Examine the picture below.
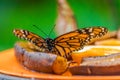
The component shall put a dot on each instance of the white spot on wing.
(21, 31)
(91, 29)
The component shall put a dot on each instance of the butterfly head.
(50, 43)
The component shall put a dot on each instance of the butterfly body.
(65, 44)
(49, 44)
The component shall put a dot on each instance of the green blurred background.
(23, 14)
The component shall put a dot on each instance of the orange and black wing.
(75, 40)
(33, 38)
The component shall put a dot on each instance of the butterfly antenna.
(40, 30)
(51, 30)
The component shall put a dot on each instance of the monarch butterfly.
(65, 44)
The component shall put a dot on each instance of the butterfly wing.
(33, 38)
(75, 40)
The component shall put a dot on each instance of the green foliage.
(23, 14)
